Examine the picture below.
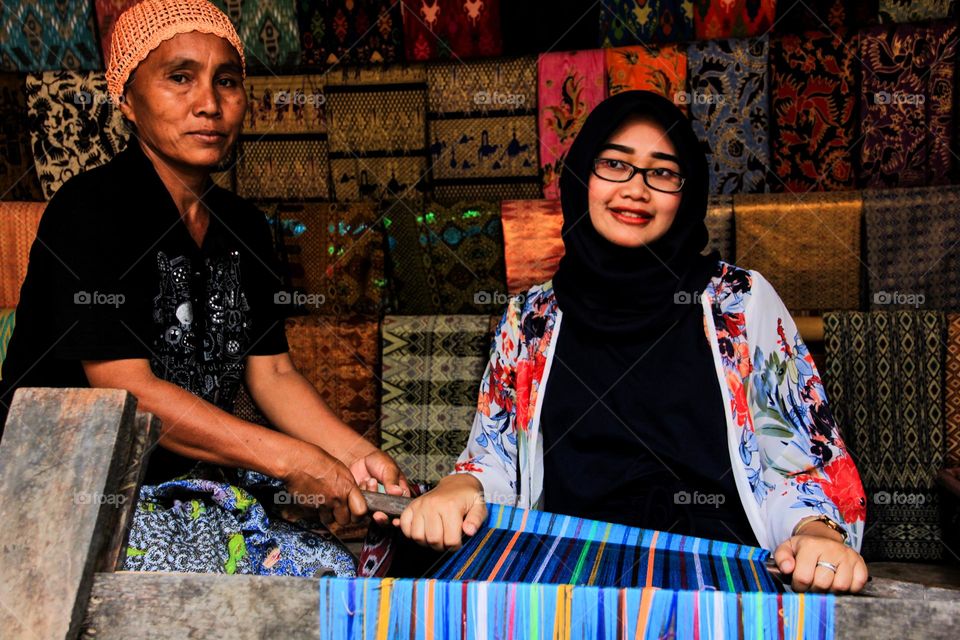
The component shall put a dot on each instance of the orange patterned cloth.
(18, 228)
(662, 70)
(532, 242)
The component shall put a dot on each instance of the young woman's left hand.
(799, 556)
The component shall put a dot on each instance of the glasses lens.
(612, 169)
(664, 180)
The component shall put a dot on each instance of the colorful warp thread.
(72, 127)
(268, 29)
(341, 358)
(18, 178)
(340, 32)
(732, 18)
(18, 229)
(885, 379)
(431, 369)
(570, 85)
(907, 105)
(952, 392)
(814, 84)
(362, 608)
(729, 106)
(681, 587)
(48, 34)
(808, 246)
(662, 70)
(457, 29)
(924, 270)
(625, 22)
(482, 127)
(532, 241)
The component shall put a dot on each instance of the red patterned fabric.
(732, 18)
(451, 29)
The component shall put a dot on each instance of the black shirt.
(114, 274)
(652, 452)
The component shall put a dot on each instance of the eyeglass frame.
(642, 171)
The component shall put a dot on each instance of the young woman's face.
(631, 214)
(187, 99)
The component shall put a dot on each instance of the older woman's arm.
(197, 429)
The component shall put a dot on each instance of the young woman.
(651, 385)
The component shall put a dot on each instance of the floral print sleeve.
(491, 453)
(807, 470)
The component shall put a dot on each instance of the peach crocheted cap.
(141, 28)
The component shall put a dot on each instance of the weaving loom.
(536, 574)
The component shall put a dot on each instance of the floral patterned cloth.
(662, 70)
(729, 107)
(792, 460)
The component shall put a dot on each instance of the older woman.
(651, 385)
(147, 277)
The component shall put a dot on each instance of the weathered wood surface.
(61, 464)
(179, 605)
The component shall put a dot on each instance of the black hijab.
(625, 289)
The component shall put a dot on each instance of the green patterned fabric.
(885, 381)
(7, 322)
(268, 29)
(432, 366)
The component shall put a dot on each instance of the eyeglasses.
(658, 178)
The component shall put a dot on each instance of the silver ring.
(827, 565)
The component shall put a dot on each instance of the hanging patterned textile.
(482, 127)
(923, 272)
(817, 15)
(18, 229)
(457, 29)
(340, 357)
(729, 101)
(807, 246)
(915, 10)
(18, 178)
(48, 34)
(8, 320)
(570, 85)
(377, 138)
(662, 70)
(732, 18)
(445, 260)
(73, 126)
(574, 578)
(885, 380)
(952, 392)
(720, 227)
(569, 25)
(627, 22)
(532, 243)
(907, 105)
(107, 13)
(268, 30)
(814, 82)
(432, 367)
(340, 32)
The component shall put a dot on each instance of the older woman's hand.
(378, 467)
(800, 554)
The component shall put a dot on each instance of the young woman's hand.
(800, 554)
(438, 519)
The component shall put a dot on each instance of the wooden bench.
(71, 462)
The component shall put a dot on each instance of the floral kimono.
(785, 449)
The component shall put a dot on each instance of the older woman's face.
(631, 214)
(187, 99)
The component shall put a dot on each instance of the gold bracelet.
(825, 520)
